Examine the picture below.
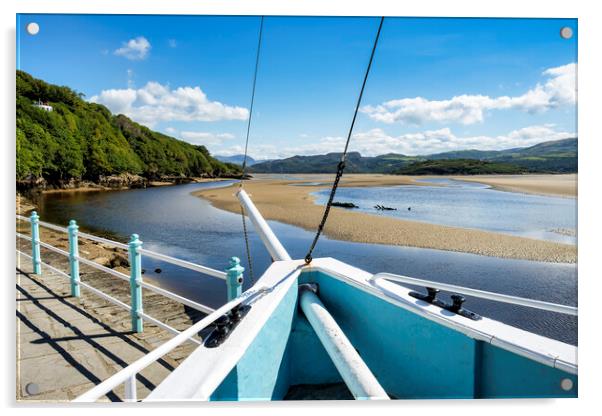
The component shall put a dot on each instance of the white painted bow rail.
(128, 374)
(271, 242)
(497, 297)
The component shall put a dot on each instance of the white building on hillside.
(43, 106)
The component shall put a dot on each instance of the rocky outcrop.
(124, 180)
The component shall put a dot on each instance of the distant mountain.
(237, 159)
(356, 163)
(460, 167)
(553, 156)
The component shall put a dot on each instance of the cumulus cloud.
(200, 137)
(134, 49)
(558, 89)
(156, 102)
(377, 142)
(205, 138)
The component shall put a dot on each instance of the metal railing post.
(130, 389)
(234, 278)
(35, 243)
(136, 282)
(73, 255)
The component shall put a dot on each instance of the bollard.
(35, 243)
(73, 255)
(234, 278)
(136, 282)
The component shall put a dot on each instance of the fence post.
(234, 278)
(136, 282)
(35, 243)
(73, 255)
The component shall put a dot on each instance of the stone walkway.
(66, 345)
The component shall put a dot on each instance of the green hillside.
(557, 156)
(82, 140)
(459, 167)
(355, 163)
(553, 156)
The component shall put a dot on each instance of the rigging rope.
(341, 164)
(244, 162)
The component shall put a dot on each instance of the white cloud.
(559, 89)
(200, 137)
(134, 49)
(376, 142)
(204, 138)
(156, 102)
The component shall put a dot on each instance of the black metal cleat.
(430, 297)
(456, 307)
(225, 324)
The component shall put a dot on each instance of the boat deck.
(66, 345)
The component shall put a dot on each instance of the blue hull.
(415, 350)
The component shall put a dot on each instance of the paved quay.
(67, 345)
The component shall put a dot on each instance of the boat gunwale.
(550, 352)
(206, 373)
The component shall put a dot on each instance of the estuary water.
(470, 205)
(172, 221)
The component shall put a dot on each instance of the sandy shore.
(294, 205)
(554, 185)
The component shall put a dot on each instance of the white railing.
(87, 286)
(183, 263)
(113, 300)
(498, 297)
(129, 373)
(233, 278)
(158, 256)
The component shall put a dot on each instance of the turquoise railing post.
(136, 282)
(35, 243)
(234, 278)
(73, 258)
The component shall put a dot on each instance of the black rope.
(341, 165)
(244, 229)
(244, 162)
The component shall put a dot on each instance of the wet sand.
(553, 185)
(277, 200)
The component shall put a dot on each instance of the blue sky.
(435, 85)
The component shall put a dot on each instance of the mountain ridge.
(237, 159)
(555, 156)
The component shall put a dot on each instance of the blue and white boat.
(321, 328)
(330, 330)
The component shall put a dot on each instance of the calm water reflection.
(171, 221)
(470, 205)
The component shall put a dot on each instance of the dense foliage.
(553, 157)
(459, 167)
(83, 140)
